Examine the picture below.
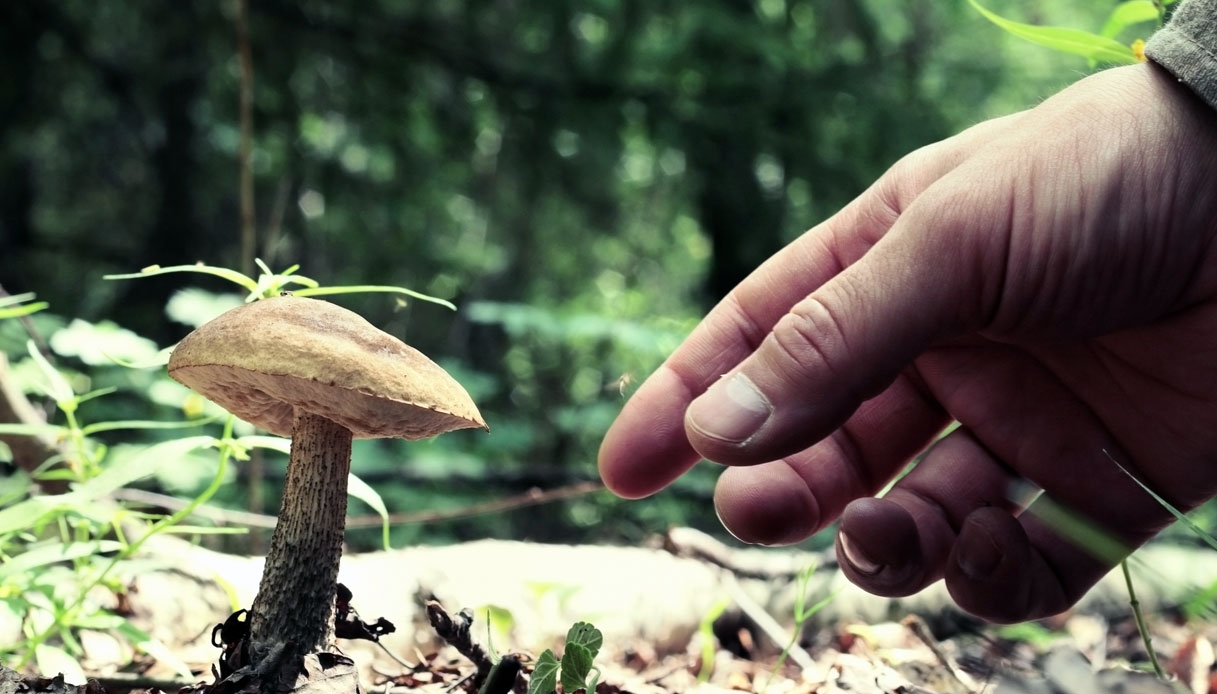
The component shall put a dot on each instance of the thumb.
(848, 340)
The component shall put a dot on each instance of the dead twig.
(456, 633)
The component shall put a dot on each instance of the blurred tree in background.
(583, 179)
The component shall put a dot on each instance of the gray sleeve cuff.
(1187, 47)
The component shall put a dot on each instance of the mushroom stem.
(295, 602)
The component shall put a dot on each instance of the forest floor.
(1077, 654)
(661, 635)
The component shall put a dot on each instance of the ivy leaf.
(576, 666)
(586, 635)
(544, 678)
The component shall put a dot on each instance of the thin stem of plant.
(1140, 619)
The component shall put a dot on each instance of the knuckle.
(808, 338)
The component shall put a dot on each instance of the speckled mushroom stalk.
(321, 374)
(295, 602)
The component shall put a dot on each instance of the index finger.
(646, 447)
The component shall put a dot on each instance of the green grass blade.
(1179, 515)
(1075, 41)
(1082, 532)
(363, 491)
(360, 289)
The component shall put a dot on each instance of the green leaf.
(53, 553)
(362, 491)
(33, 430)
(204, 530)
(1075, 41)
(321, 291)
(153, 270)
(52, 660)
(355, 486)
(25, 310)
(544, 678)
(102, 344)
(14, 299)
(585, 635)
(56, 385)
(154, 648)
(1127, 14)
(274, 443)
(141, 465)
(576, 666)
(91, 429)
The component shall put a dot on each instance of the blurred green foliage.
(583, 179)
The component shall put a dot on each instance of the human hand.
(1047, 279)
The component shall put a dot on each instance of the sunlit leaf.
(14, 299)
(274, 443)
(23, 310)
(91, 429)
(1075, 41)
(193, 306)
(32, 430)
(101, 343)
(1127, 14)
(54, 553)
(52, 660)
(141, 465)
(153, 270)
(55, 385)
(204, 530)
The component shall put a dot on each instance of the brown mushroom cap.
(262, 360)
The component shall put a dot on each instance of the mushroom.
(322, 375)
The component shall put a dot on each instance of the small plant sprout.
(575, 671)
(802, 613)
(322, 375)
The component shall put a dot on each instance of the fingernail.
(733, 409)
(979, 555)
(857, 559)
